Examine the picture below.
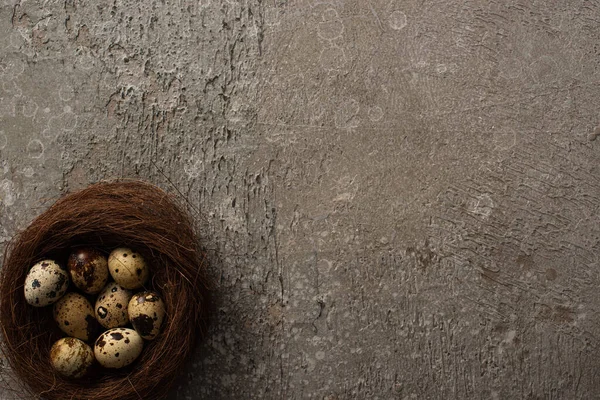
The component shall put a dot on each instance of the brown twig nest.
(107, 215)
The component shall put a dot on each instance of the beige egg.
(71, 357)
(111, 306)
(128, 268)
(146, 313)
(45, 283)
(75, 316)
(89, 269)
(118, 347)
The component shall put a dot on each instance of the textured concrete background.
(403, 195)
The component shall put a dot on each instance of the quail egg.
(75, 316)
(146, 313)
(45, 283)
(128, 268)
(89, 269)
(118, 347)
(111, 306)
(71, 357)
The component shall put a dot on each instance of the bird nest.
(107, 215)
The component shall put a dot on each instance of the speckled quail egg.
(146, 313)
(45, 283)
(111, 306)
(118, 347)
(128, 268)
(75, 316)
(89, 269)
(71, 357)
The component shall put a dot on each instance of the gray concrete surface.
(403, 195)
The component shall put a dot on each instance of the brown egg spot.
(61, 281)
(116, 335)
(119, 305)
(116, 354)
(143, 324)
(138, 272)
(114, 289)
(67, 323)
(124, 254)
(102, 312)
(101, 342)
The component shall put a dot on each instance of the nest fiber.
(107, 215)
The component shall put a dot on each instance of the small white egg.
(89, 269)
(45, 283)
(71, 357)
(75, 316)
(128, 268)
(111, 306)
(118, 347)
(146, 313)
